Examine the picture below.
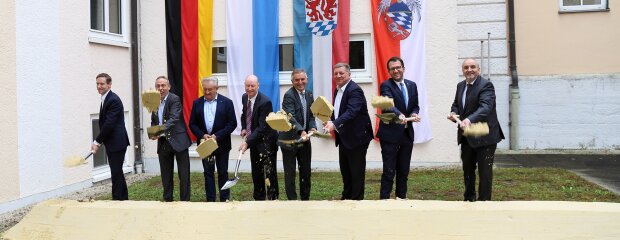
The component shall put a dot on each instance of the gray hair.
(341, 64)
(298, 70)
(210, 79)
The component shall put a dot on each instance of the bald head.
(251, 85)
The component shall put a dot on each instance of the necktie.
(465, 93)
(404, 92)
(160, 112)
(302, 96)
(248, 118)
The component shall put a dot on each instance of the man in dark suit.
(396, 139)
(474, 102)
(173, 142)
(353, 132)
(112, 134)
(213, 116)
(297, 101)
(260, 139)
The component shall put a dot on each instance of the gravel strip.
(9, 219)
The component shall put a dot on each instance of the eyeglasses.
(395, 68)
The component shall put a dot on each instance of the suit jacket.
(175, 131)
(353, 128)
(112, 132)
(479, 107)
(291, 103)
(224, 123)
(392, 132)
(263, 137)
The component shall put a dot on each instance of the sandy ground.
(9, 219)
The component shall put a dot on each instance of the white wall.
(569, 112)
(477, 18)
(54, 97)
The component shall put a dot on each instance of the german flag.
(189, 40)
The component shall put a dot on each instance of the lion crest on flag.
(398, 16)
(321, 16)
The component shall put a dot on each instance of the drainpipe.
(514, 85)
(135, 88)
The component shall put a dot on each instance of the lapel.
(218, 109)
(106, 102)
(399, 94)
(344, 98)
(166, 108)
(255, 104)
(459, 92)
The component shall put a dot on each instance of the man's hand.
(94, 148)
(452, 116)
(416, 117)
(329, 126)
(402, 119)
(465, 123)
(243, 147)
(243, 132)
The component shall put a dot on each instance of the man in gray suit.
(173, 142)
(297, 101)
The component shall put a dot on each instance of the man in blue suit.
(213, 116)
(474, 102)
(173, 142)
(112, 134)
(396, 139)
(353, 131)
(260, 139)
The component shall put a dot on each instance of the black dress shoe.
(469, 200)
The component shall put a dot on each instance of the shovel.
(77, 161)
(475, 129)
(232, 182)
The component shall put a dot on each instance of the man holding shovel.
(112, 134)
(297, 101)
(260, 139)
(213, 117)
(397, 138)
(353, 131)
(173, 142)
(474, 102)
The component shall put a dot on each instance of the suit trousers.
(119, 186)
(353, 170)
(221, 162)
(291, 157)
(166, 166)
(263, 168)
(482, 157)
(396, 161)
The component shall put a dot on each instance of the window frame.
(603, 6)
(359, 75)
(107, 37)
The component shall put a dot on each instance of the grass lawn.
(509, 184)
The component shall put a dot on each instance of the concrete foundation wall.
(386, 219)
(569, 112)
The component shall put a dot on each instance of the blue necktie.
(404, 92)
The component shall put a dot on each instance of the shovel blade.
(230, 183)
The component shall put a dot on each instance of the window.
(108, 22)
(582, 5)
(219, 60)
(358, 59)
